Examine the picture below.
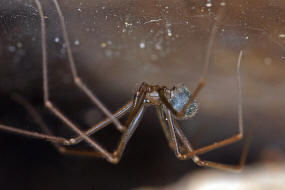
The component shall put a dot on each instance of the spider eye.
(179, 97)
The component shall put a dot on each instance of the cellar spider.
(171, 104)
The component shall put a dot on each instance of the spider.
(171, 104)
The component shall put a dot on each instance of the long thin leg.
(219, 144)
(239, 135)
(32, 134)
(169, 131)
(232, 139)
(38, 119)
(202, 80)
(176, 129)
(72, 141)
(121, 112)
(132, 122)
(77, 80)
(31, 110)
(165, 127)
(128, 134)
(171, 124)
(56, 141)
(50, 105)
(168, 126)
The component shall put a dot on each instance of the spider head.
(179, 97)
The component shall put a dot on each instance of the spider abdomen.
(179, 97)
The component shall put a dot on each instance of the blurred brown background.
(116, 46)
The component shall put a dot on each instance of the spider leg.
(202, 80)
(72, 141)
(193, 153)
(78, 82)
(132, 121)
(32, 134)
(229, 140)
(168, 131)
(128, 134)
(70, 124)
(165, 127)
(60, 140)
(239, 135)
(166, 118)
(218, 144)
(57, 142)
(76, 78)
(121, 112)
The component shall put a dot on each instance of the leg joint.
(77, 80)
(113, 160)
(200, 162)
(70, 142)
(181, 156)
(48, 104)
(239, 136)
